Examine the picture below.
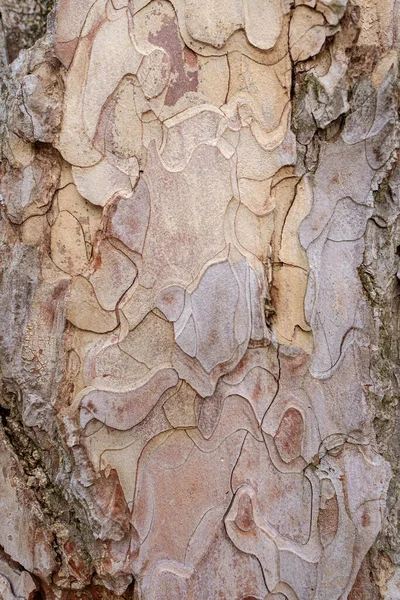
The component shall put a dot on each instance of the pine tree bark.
(200, 216)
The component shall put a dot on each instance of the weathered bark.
(199, 338)
(23, 22)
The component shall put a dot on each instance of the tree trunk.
(199, 338)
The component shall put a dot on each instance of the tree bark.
(200, 216)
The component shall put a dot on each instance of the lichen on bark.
(23, 22)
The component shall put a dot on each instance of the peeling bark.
(200, 216)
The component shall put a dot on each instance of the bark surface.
(200, 241)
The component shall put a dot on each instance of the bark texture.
(23, 22)
(200, 216)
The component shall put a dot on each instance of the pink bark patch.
(184, 74)
(289, 436)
